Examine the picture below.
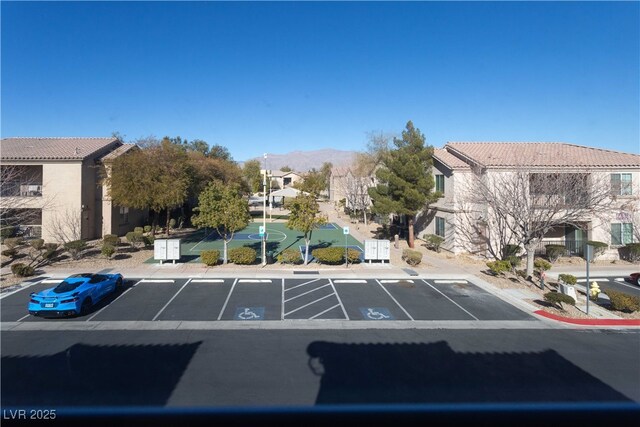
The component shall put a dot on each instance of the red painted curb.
(592, 322)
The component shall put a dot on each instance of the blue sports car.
(75, 295)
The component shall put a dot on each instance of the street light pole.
(264, 212)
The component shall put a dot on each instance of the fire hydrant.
(594, 291)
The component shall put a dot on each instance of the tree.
(312, 182)
(405, 182)
(286, 169)
(251, 172)
(156, 178)
(523, 205)
(304, 216)
(222, 207)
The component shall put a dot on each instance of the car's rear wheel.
(86, 306)
(638, 281)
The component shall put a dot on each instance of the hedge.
(623, 302)
(13, 242)
(330, 255)
(210, 257)
(75, 248)
(412, 257)
(353, 255)
(111, 239)
(243, 255)
(558, 298)
(598, 247)
(37, 244)
(138, 230)
(290, 256)
(632, 252)
(541, 264)
(433, 241)
(10, 252)
(147, 228)
(499, 267)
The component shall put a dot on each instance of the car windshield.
(67, 286)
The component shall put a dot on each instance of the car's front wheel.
(119, 283)
(85, 308)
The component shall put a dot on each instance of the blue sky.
(276, 77)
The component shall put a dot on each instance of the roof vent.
(77, 151)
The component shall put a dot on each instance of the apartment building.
(461, 168)
(51, 188)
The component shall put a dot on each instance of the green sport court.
(279, 238)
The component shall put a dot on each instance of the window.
(124, 216)
(440, 183)
(440, 226)
(621, 233)
(621, 184)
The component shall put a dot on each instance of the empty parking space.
(140, 302)
(253, 299)
(311, 299)
(423, 302)
(367, 300)
(200, 299)
(480, 303)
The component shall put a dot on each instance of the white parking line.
(254, 281)
(158, 281)
(395, 300)
(591, 279)
(349, 281)
(302, 284)
(227, 300)
(461, 282)
(307, 305)
(626, 284)
(23, 288)
(52, 281)
(119, 296)
(22, 318)
(323, 312)
(459, 306)
(346, 316)
(207, 281)
(282, 299)
(305, 293)
(169, 302)
(396, 281)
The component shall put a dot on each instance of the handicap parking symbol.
(376, 313)
(249, 313)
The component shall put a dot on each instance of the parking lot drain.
(410, 272)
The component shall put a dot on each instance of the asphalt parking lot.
(616, 283)
(283, 299)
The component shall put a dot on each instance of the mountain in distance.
(303, 161)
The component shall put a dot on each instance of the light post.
(264, 212)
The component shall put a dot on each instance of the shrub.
(433, 241)
(290, 256)
(75, 248)
(558, 298)
(623, 302)
(243, 255)
(134, 238)
(7, 231)
(147, 228)
(598, 247)
(541, 264)
(50, 250)
(330, 255)
(172, 223)
(148, 240)
(412, 257)
(353, 255)
(210, 257)
(568, 279)
(510, 251)
(22, 270)
(10, 252)
(37, 244)
(514, 261)
(138, 230)
(108, 250)
(631, 252)
(13, 242)
(111, 239)
(555, 251)
(499, 267)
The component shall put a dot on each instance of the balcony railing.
(21, 189)
(574, 247)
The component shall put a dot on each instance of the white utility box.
(167, 249)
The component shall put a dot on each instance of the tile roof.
(448, 159)
(118, 152)
(53, 148)
(540, 154)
